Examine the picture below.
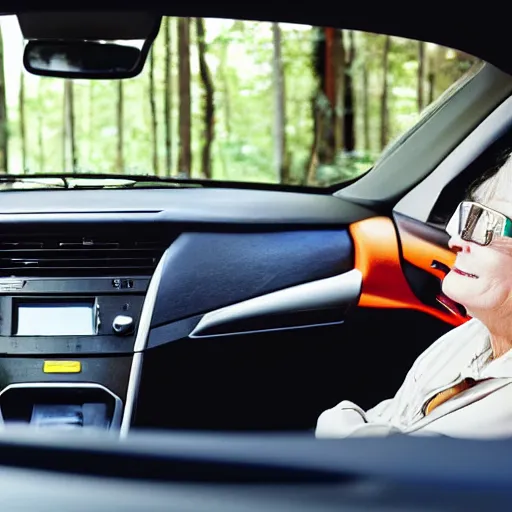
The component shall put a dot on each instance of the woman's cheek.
(500, 289)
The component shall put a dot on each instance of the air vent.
(68, 256)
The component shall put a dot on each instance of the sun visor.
(92, 26)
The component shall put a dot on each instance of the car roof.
(480, 32)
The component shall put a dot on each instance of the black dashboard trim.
(172, 331)
(183, 206)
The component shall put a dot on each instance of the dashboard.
(188, 205)
(96, 285)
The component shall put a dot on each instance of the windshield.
(223, 99)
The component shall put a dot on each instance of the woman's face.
(481, 279)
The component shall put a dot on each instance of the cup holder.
(61, 405)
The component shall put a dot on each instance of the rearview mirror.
(83, 59)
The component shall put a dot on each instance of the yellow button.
(62, 367)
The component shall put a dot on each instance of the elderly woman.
(461, 386)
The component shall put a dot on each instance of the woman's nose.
(456, 244)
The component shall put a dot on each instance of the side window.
(369, 90)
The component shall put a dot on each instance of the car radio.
(70, 315)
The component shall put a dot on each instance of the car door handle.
(440, 266)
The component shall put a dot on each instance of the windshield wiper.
(90, 181)
(13, 182)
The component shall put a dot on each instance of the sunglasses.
(476, 223)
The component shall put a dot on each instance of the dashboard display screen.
(56, 318)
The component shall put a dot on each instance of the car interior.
(231, 308)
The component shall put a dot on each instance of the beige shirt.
(483, 411)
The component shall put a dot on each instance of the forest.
(227, 100)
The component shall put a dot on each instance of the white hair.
(497, 187)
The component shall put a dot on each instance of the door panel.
(426, 260)
(377, 256)
(422, 244)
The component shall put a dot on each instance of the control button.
(123, 324)
(122, 284)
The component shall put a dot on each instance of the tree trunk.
(65, 129)
(185, 150)
(152, 102)
(421, 75)
(279, 109)
(120, 128)
(40, 127)
(431, 87)
(168, 97)
(91, 132)
(4, 129)
(349, 114)
(23, 135)
(339, 72)
(329, 70)
(366, 109)
(72, 133)
(324, 98)
(384, 110)
(209, 106)
(432, 73)
(69, 126)
(223, 63)
(310, 175)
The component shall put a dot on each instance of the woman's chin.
(455, 290)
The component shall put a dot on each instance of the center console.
(67, 347)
